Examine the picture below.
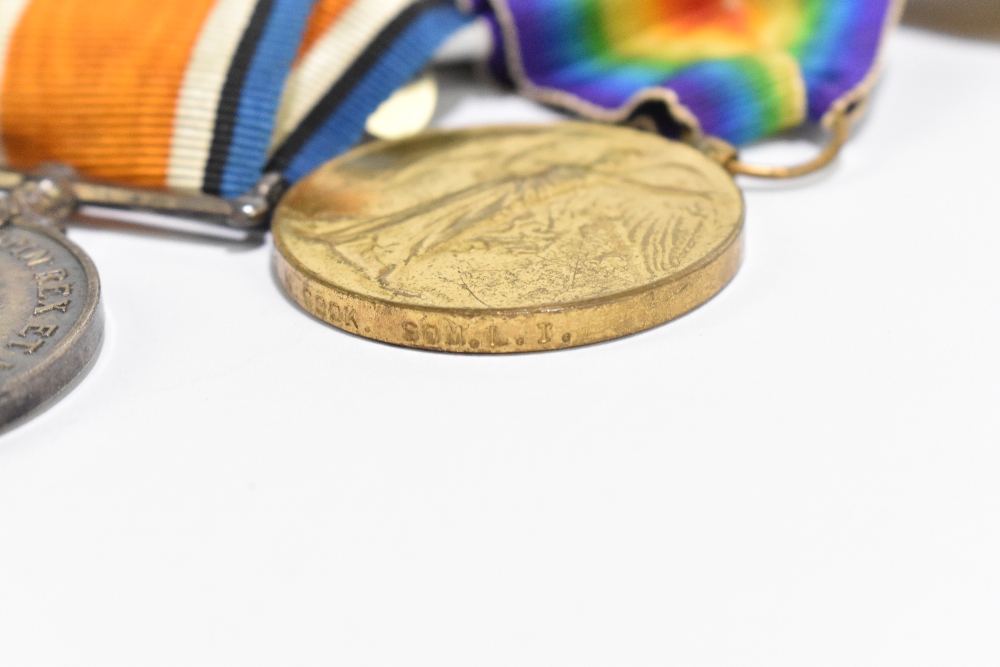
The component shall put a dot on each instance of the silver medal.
(50, 316)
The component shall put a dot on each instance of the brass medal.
(517, 239)
(50, 317)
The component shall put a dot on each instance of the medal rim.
(284, 258)
(46, 381)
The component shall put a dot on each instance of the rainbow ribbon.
(737, 69)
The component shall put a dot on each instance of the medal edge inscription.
(511, 331)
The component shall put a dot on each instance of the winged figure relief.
(540, 231)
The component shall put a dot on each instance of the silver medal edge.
(73, 353)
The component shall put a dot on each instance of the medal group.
(249, 113)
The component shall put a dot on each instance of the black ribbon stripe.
(229, 100)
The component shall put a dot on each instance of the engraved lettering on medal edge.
(446, 333)
(342, 316)
(50, 285)
(443, 334)
(546, 330)
(496, 339)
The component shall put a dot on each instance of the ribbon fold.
(737, 69)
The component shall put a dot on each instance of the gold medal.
(510, 239)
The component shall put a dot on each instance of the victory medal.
(510, 239)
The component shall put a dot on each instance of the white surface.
(803, 472)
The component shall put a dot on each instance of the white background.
(805, 471)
